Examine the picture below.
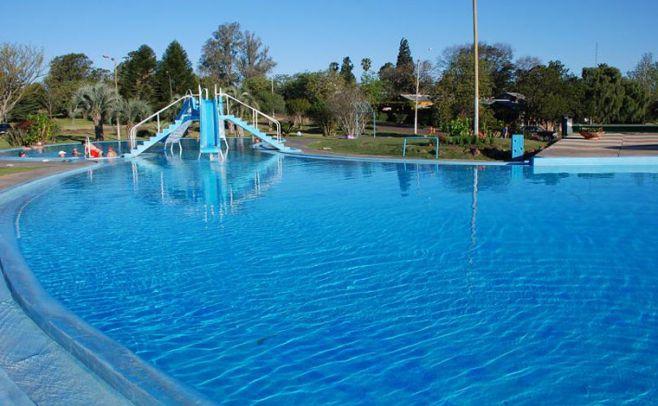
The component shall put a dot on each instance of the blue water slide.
(188, 113)
(209, 122)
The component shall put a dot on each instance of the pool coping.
(419, 161)
(595, 161)
(132, 377)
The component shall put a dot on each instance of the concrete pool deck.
(34, 369)
(47, 354)
(611, 149)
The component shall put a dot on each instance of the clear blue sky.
(308, 35)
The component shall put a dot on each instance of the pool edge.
(120, 368)
(392, 160)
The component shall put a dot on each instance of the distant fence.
(621, 128)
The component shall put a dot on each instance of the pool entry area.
(213, 114)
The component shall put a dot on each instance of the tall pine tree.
(174, 74)
(137, 75)
(346, 71)
(404, 81)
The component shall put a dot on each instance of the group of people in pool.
(90, 150)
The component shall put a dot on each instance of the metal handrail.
(133, 129)
(254, 114)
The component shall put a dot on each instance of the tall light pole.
(417, 93)
(171, 89)
(116, 89)
(476, 115)
(417, 90)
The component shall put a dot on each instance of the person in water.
(22, 154)
(111, 153)
(93, 151)
(75, 152)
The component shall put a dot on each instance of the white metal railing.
(156, 115)
(255, 113)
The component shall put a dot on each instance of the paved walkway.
(34, 369)
(610, 145)
(37, 170)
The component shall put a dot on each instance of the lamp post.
(116, 89)
(417, 93)
(476, 114)
(417, 90)
(171, 90)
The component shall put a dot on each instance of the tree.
(298, 108)
(386, 86)
(499, 61)
(495, 63)
(453, 93)
(174, 74)
(404, 80)
(30, 102)
(220, 53)
(96, 101)
(366, 64)
(72, 109)
(231, 56)
(253, 58)
(549, 91)
(346, 71)
(260, 89)
(67, 73)
(137, 75)
(74, 67)
(20, 66)
(636, 101)
(334, 67)
(525, 63)
(341, 104)
(604, 93)
(131, 111)
(646, 74)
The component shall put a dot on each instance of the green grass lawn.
(16, 169)
(392, 146)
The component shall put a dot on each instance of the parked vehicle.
(4, 127)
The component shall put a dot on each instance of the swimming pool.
(51, 152)
(283, 279)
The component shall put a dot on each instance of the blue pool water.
(52, 151)
(288, 280)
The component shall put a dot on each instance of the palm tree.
(72, 109)
(245, 97)
(97, 101)
(366, 64)
(131, 111)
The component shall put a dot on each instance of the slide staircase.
(177, 129)
(212, 116)
(271, 141)
(187, 114)
(274, 141)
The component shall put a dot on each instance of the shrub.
(41, 128)
(459, 127)
(17, 137)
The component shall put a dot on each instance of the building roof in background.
(421, 97)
